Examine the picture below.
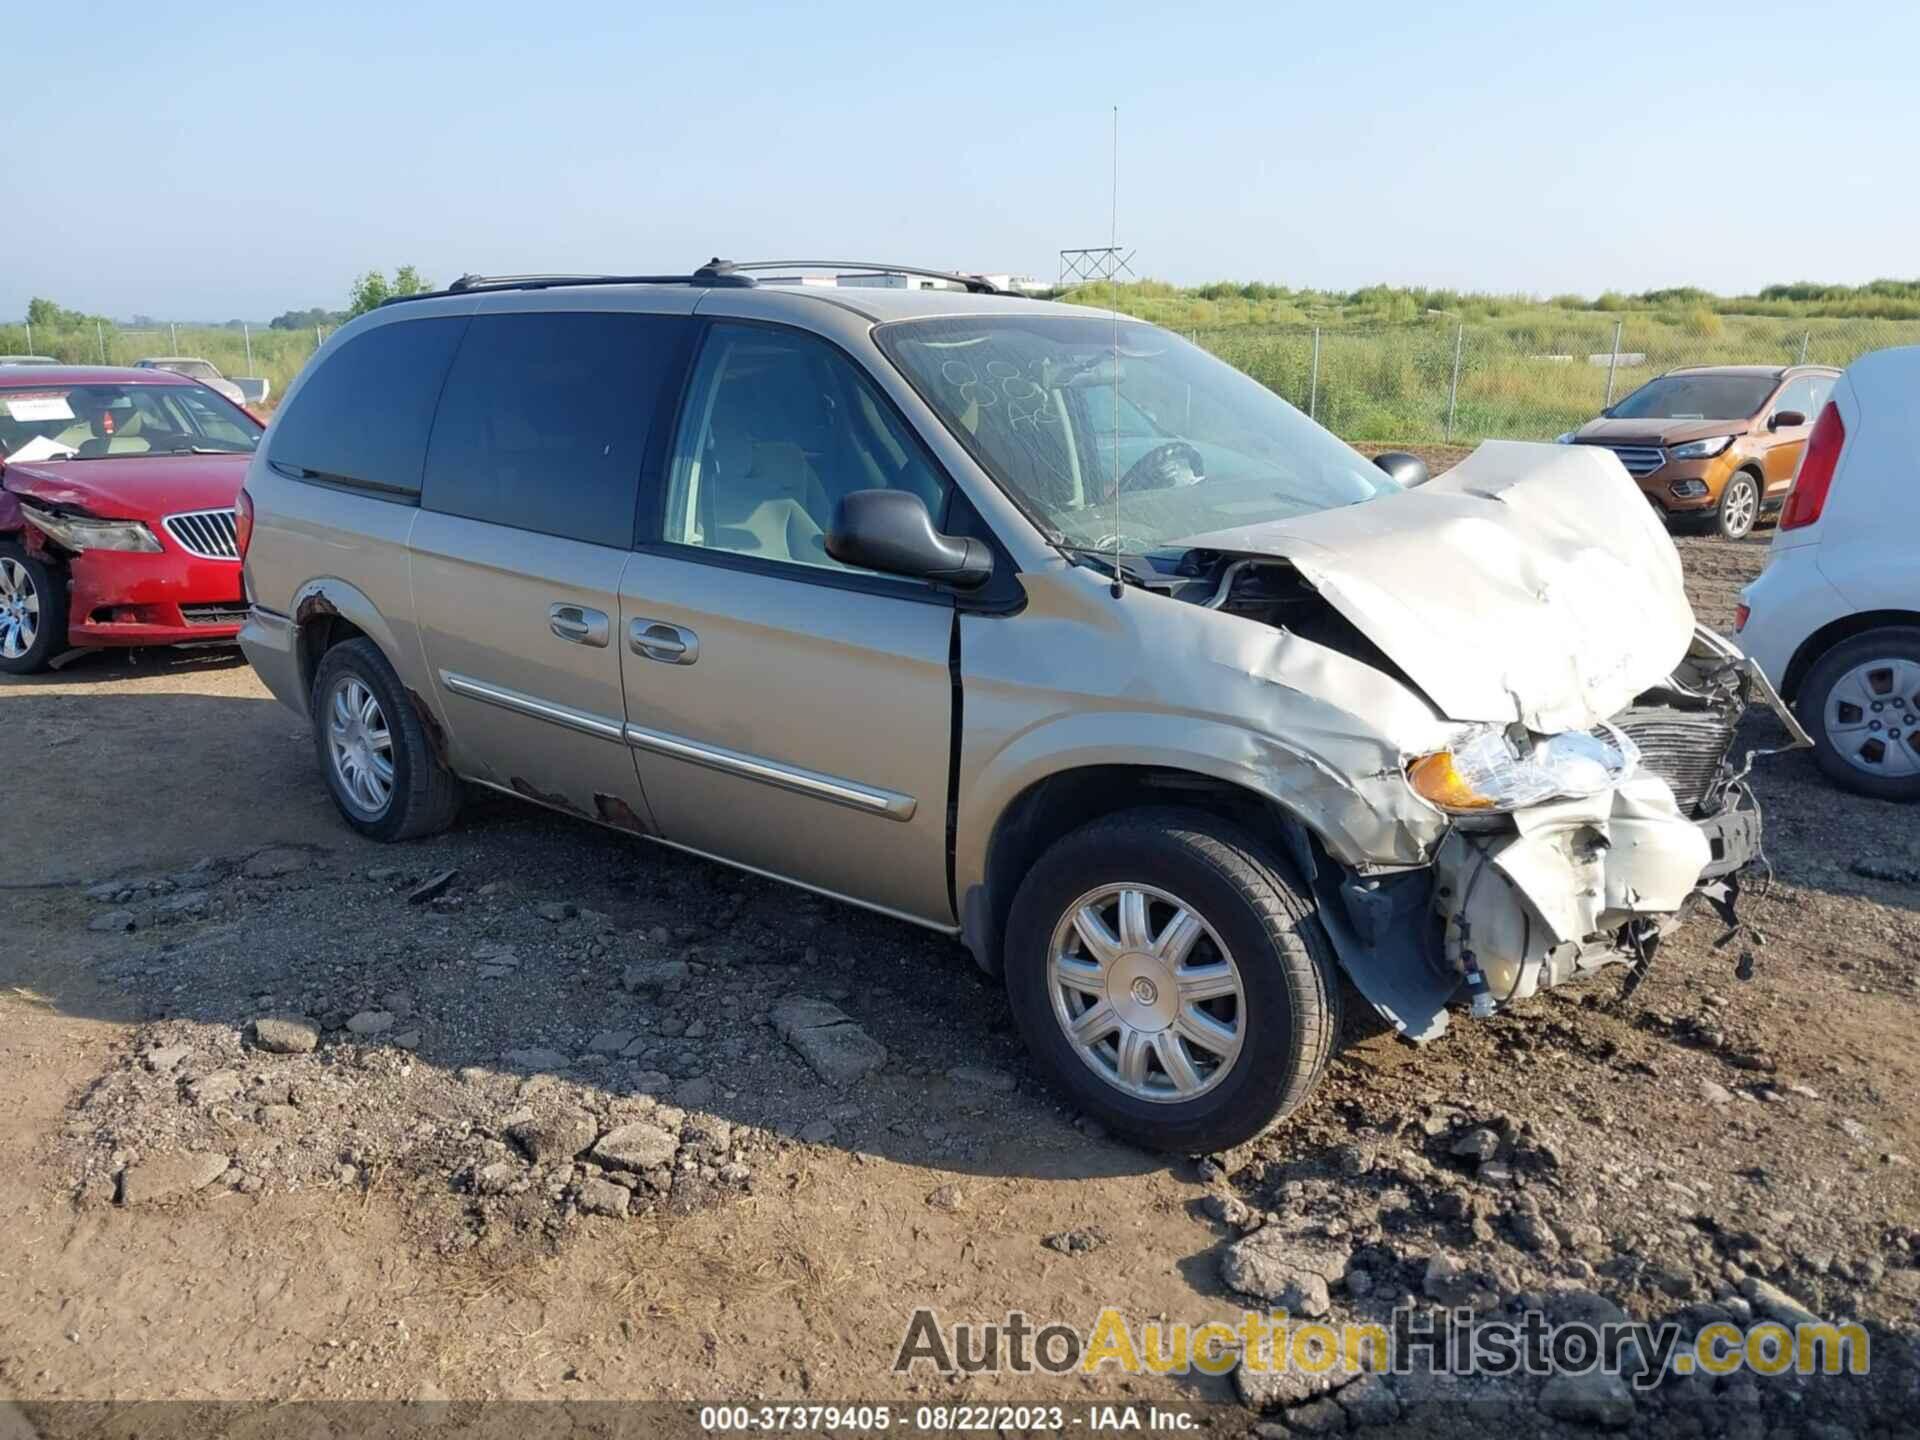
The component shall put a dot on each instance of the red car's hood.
(132, 487)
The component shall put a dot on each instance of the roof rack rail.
(715, 273)
(975, 284)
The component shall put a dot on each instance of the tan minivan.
(1029, 624)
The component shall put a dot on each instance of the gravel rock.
(554, 1137)
(947, 1198)
(283, 1035)
(1774, 1303)
(1452, 1283)
(823, 1035)
(1591, 1398)
(163, 1058)
(1715, 1094)
(371, 1022)
(1290, 1272)
(162, 1177)
(1369, 1401)
(663, 975)
(432, 887)
(983, 1077)
(116, 922)
(1077, 1242)
(696, 1092)
(214, 1088)
(1479, 1143)
(639, 1147)
(554, 911)
(497, 1178)
(603, 1197)
(817, 1132)
(610, 1042)
(537, 1059)
(272, 863)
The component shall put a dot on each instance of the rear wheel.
(1173, 978)
(33, 611)
(1861, 705)
(1739, 506)
(382, 771)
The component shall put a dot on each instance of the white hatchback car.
(1834, 620)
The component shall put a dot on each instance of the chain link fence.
(236, 350)
(1518, 378)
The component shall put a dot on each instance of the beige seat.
(764, 499)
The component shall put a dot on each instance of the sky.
(214, 161)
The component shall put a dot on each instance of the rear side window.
(545, 421)
(362, 418)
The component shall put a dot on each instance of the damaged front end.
(1560, 889)
(1587, 788)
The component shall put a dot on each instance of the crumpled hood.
(1530, 582)
(135, 487)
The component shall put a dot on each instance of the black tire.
(1739, 508)
(1244, 890)
(48, 590)
(425, 795)
(1893, 643)
(47, 584)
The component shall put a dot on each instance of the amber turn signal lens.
(1435, 779)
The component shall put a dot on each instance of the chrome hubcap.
(1872, 715)
(361, 745)
(1741, 504)
(1147, 993)
(19, 609)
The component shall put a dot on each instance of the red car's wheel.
(33, 611)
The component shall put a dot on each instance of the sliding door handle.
(658, 640)
(578, 624)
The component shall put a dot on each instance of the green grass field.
(1386, 363)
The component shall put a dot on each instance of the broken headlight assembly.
(81, 533)
(1492, 770)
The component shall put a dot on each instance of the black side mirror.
(891, 531)
(1786, 420)
(1403, 469)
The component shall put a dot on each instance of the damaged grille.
(206, 533)
(1685, 748)
(230, 614)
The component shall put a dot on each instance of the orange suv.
(1715, 442)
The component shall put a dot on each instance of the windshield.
(1195, 447)
(89, 422)
(1696, 397)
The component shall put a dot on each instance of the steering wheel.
(1165, 467)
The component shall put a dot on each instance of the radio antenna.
(1113, 300)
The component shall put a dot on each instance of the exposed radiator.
(1683, 747)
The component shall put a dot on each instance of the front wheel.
(1861, 705)
(1739, 506)
(33, 611)
(379, 764)
(1168, 971)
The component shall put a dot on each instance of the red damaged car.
(118, 511)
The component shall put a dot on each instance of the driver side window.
(777, 427)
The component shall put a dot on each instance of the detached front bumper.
(126, 598)
(1576, 885)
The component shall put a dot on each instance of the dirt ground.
(396, 1213)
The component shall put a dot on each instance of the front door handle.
(658, 640)
(578, 624)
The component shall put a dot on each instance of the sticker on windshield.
(39, 407)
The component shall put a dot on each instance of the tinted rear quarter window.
(363, 417)
(545, 421)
